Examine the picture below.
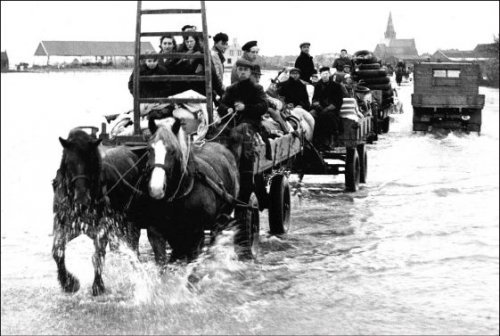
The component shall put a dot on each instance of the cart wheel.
(246, 238)
(352, 170)
(279, 207)
(363, 163)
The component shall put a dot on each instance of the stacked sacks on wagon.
(369, 73)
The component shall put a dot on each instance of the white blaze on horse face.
(157, 182)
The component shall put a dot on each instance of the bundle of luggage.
(194, 115)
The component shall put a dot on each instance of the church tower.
(390, 33)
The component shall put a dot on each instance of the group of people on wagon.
(157, 66)
(245, 96)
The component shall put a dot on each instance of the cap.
(360, 88)
(244, 63)
(304, 44)
(325, 68)
(295, 69)
(247, 46)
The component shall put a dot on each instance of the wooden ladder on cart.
(207, 78)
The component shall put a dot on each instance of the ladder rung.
(174, 33)
(173, 100)
(171, 11)
(172, 78)
(170, 55)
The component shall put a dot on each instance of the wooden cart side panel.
(283, 148)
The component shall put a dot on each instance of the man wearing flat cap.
(244, 97)
(305, 62)
(250, 53)
(294, 91)
(342, 60)
(248, 101)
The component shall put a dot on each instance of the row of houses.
(54, 53)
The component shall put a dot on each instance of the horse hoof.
(71, 284)
(98, 289)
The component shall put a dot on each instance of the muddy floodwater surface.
(414, 251)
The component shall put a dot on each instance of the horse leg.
(100, 242)
(68, 281)
(132, 236)
(159, 245)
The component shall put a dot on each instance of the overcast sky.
(279, 27)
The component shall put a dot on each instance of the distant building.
(391, 48)
(481, 53)
(232, 53)
(71, 52)
(5, 61)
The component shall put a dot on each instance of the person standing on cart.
(305, 63)
(342, 60)
(250, 53)
(326, 104)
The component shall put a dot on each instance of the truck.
(446, 96)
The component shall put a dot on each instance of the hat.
(247, 46)
(188, 27)
(304, 44)
(295, 69)
(325, 68)
(360, 88)
(346, 65)
(244, 63)
(256, 70)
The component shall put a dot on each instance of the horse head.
(80, 166)
(168, 157)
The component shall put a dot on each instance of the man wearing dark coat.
(327, 101)
(343, 60)
(248, 101)
(305, 62)
(151, 89)
(244, 97)
(294, 91)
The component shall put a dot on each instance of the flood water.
(415, 251)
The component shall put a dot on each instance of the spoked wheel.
(352, 170)
(248, 226)
(363, 163)
(279, 206)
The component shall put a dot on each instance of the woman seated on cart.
(195, 66)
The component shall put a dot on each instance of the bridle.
(184, 173)
(78, 177)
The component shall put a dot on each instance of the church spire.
(390, 33)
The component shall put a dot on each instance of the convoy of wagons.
(291, 154)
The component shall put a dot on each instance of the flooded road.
(415, 251)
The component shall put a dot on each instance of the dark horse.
(197, 186)
(94, 193)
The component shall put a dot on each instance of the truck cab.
(446, 96)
